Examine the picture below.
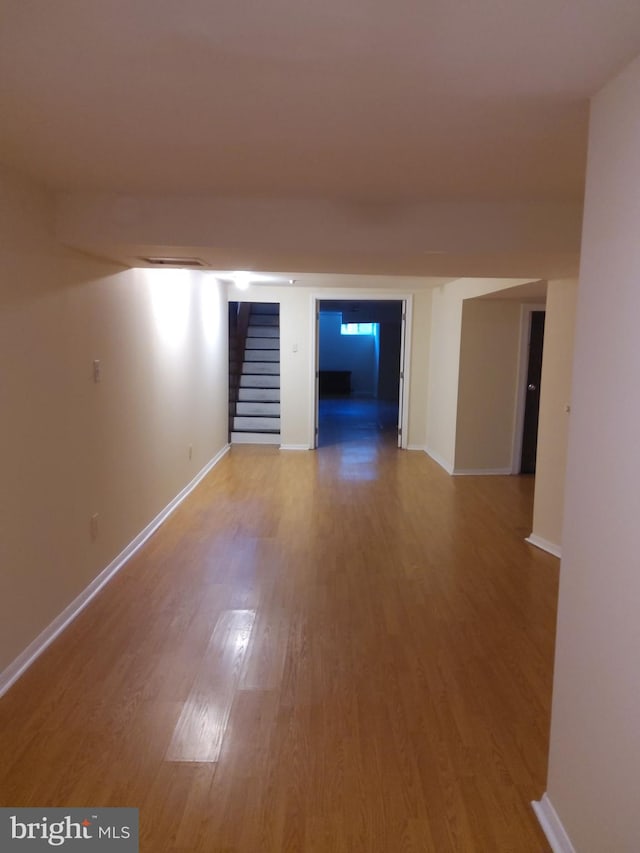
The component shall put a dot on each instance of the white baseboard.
(437, 458)
(481, 472)
(552, 826)
(545, 545)
(420, 447)
(294, 447)
(18, 667)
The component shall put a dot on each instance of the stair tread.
(256, 404)
(257, 407)
(263, 332)
(271, 344)
(255, 437)
(262, 355)
(260, 380)
(242, 421)
(265, 320)
(256, 423)
(265, 368)
(255, 394)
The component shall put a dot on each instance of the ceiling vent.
(173, 262)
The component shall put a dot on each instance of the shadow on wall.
(359, 349)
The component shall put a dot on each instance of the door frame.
(526, 310)
(405, 379)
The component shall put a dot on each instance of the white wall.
(420, 367)
(487, 385)
(444, 361)
(486, 238)
(297, 356)
(70, 447)
(553, 424)
(595, 735)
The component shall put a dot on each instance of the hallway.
(345, 650)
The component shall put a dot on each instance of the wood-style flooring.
(342, 650)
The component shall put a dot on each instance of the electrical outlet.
(97, 370)
(93, 527)
(190, 451)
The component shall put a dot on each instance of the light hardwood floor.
(345, 650)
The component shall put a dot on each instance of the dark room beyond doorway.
(359, 359)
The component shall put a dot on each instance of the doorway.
(532, 394)
(359, 371)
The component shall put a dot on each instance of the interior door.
(532, 400)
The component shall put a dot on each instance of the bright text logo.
(99, 829)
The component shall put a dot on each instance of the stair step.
(251, 380)
(258, 408)
(265, 308)
(263, 343)
(256, 424)
(265, 320)
(261, 367)
(255, 405)
(263, 332)
(255, 438)
(262, 355)
(254, 394)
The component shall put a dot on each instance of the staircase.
(254, 374)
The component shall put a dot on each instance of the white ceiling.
(375, 103)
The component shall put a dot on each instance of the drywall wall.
(473, 238)
(419, 376)
(595, 748)
(487, 385)
(71, 447)
(444, 361)
(555, 401)
(297, 356)
(356, 353)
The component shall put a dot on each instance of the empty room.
(318, 423)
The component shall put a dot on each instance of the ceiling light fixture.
(241, 279)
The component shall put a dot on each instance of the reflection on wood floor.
(343, 420)
(345, 650)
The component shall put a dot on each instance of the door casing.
(405, 353)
